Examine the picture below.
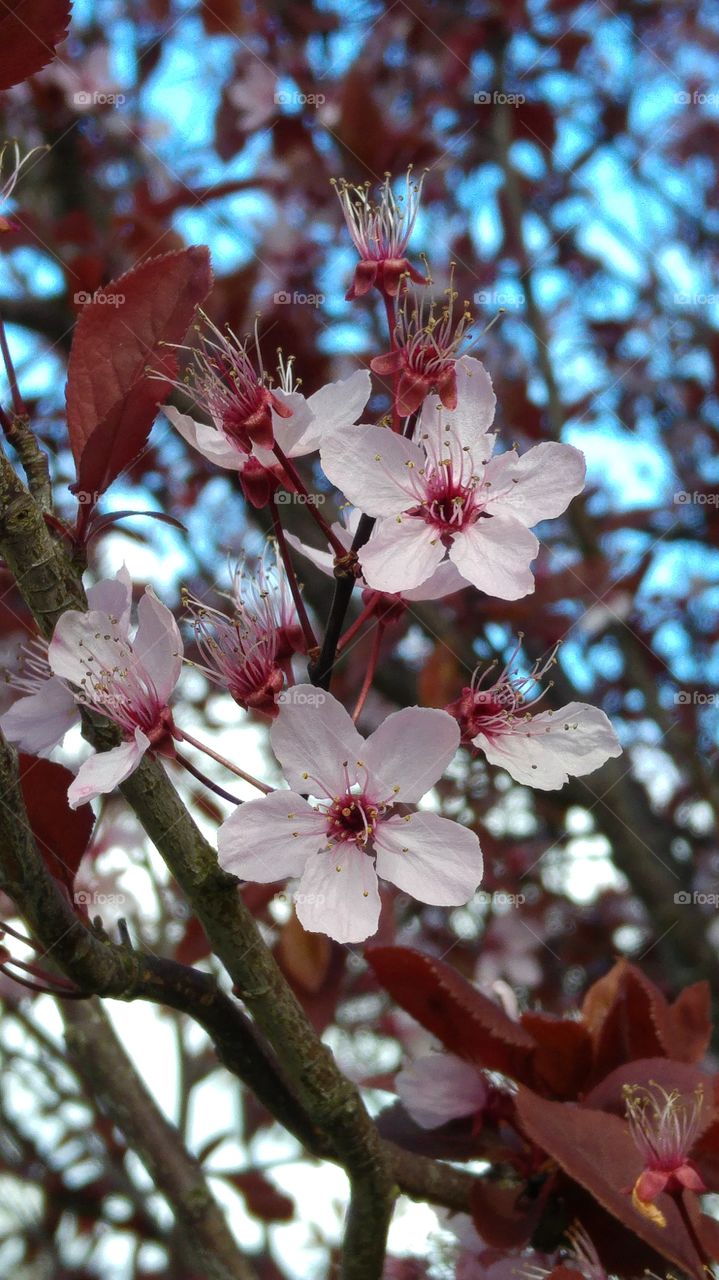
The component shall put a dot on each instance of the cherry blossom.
(356, 826)
(246, 653)
(380, 232)
(425, 355)
(446, 495)
(438, 1088)
(664, 1126)
(445, 580)
(38, 720)
(247, 417)
(130, 682)
(541, 750)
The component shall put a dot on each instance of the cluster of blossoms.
(436, 510)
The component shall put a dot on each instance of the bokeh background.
(570, 193)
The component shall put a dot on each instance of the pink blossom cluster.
(437, 507)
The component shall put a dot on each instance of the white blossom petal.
(338, 895)
(476, 403)
(158, 644)
(312, 737)
(494, 554)
(37, 722)
(440, 1087)
(432, 858)
(402, 553)
(270, 838)
(210, 442)
(539, 485)
(113, 596)
(411, 749)
(372, 467)
(552, 747)
(103, 771)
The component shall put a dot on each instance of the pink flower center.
(451, 499)
(124, 692)
(353, 818)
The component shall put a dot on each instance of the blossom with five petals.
(128, 681)
(541, 750)
(38, 720)
(445, 495)
(355, 826)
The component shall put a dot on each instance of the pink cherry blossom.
(356, 826)
(380, 232)
(664, 1125)
(247, 417)
(445, 495)
(38, 720)
(440, 1087)
(246, 653)
(445, 580)
(542, 750)
(130, 682)
(425, 355)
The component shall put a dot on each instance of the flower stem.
(301, 487)
(182, 736)
(359, 621)
(321, 670)
(17, 401)
(305, 623)
(371, 668)
(203, 778)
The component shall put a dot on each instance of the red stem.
(371, 668)
(363, 617)
(301, 487)
(181, 736)
(203, 778)
(308, 633)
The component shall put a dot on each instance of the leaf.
(62, 833)
(466, 1022)
(504, 1217)
(690, 1017)
(627, 1017)
(305, 957)
(563, 1057)
(29, 32)
(597, 1151)
(118, 343)
(262, 1199)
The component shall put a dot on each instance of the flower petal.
(158, 644)
(411, 749)
(476, 404)
(258, 841)
(539, 485)
(290, 432)
(207, 440)
(495, 554)
(322, 560)
(440, 1087)
(336, 406)
(105, 770)
(552, 747)
(445, 580)
(39, 721)
(113, 596)
(79, 637)
(370, 466)
(312, 737)
(433, 859)
(338, 895)
(402, 553)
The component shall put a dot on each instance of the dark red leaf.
(262, 1199)
(466, 1022)
(118, 343)
(29, 32)
(563, 1057)
(62, 834)
(503, 1216)
(597, 1151)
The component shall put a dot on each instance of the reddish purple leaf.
(466, 1022)
(597, 1151)
(118, 344)
(29, 32)
(62, 834)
